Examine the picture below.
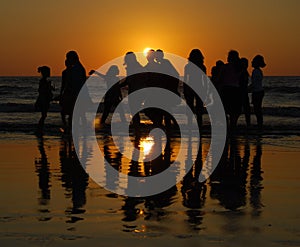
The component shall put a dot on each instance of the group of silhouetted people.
(73, 78)
(231, 80)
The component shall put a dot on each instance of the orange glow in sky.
(40, 33)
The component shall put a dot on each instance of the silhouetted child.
(244, 81)
(113, 96)
(257, 88)
(45, 95)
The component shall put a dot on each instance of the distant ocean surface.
(18, 94)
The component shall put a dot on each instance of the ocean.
(17, 96)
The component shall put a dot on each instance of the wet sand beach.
(251, 199)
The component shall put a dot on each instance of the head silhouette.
(258, 62)
(219, 63)
(150, 55)
(113, 70)
(233, 56)
(244, 62)
(72, 57)
(130, 58)
(159, 54)
(196, 57)
(44, 70)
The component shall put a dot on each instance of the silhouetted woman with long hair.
(135, 81)
(113, 96)
(192, 76)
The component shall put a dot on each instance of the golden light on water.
(96, 123)
(146, 145)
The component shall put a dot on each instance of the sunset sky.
(35, 33)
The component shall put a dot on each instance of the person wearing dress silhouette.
(257, 88)
(42, 103)
(244, 81)
(135, 80)
(193, 77)
(75, 82)
(113, 96)
(230, 87)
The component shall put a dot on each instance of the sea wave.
(271, 111)
(282, 90)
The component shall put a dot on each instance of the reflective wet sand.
(251, 199)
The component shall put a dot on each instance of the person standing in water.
(244, 81)
(135, 80)
(113, 96)
(192, 76)
(257, 88)
(230, 89)
(42, 103)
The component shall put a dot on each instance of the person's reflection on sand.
(155, 206)
(43, 172)
(131, 209)
(194, 192)
(228, 182)
(113, 157)
(74, 180)
(151, 207)
(256, 180)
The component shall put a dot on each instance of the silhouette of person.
(42, 103)
(215, 74)
(76, 80)
(135, 80)
(114, 96)
(257, 88)
(153, 80)
(152, 64)
(192, 76)
(170, 80)
(244, 81)
(230, 87)
(166, 66)
(65, 94)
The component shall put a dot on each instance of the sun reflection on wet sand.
(146, 145)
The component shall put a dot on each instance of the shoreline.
(53, 129)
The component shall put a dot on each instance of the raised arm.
(97, 73)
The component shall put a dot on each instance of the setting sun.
(146, 51)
